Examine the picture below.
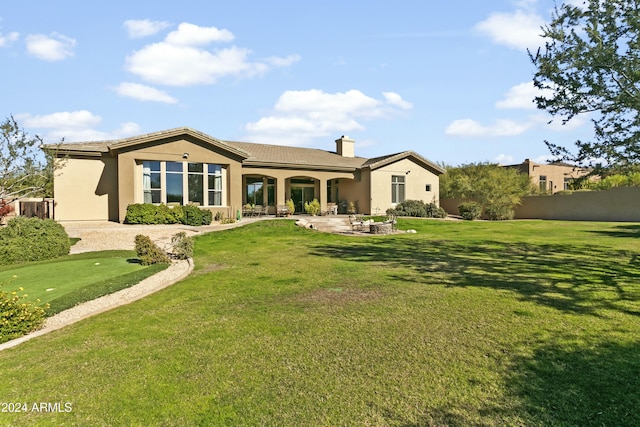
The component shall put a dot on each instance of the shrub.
(207, 216)
(182, 246)
(32, 239)
(470, 210)
(291, 206)
(145, 213)
(434, 211)
(218, 216)
(148, 252)
(18, 317)
(313, 207)
(192, 215)
(417, 208)
(499, 212)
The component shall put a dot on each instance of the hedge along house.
(98, 180)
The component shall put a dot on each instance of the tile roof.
(253, 153)
(266, 154)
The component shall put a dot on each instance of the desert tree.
(590, 66)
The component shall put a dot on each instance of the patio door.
(301, 194)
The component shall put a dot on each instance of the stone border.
(177, 271)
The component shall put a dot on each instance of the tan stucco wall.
(85, 189)
(617, 204)
(129, 178)
(416, 182)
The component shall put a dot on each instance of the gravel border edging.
(177, 271)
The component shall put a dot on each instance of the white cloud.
(50, 48)
(522, 97)
(504, 159)
(137, 28)
(472, 128)
(194, 35)
(546, 158)
(75, 126)
(282, 62)
(556, 124)
(397, 101)
(180, 60)
(143, 93)
(8, 39)
(520, 29)
(301, 116)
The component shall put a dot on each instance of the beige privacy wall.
(617, 204)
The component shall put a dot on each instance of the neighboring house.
(551, 177)
(98, 180)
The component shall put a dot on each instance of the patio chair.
(357, 224)
(282, 210)
(257, 210)
(393, 220)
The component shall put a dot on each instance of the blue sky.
(450, 80)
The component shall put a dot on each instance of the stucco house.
(98, 180)
(551, 177)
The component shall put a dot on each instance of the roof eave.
(279, 165)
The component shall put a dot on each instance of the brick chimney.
(346, 146)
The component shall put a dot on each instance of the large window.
(151, 187)
(214, 180)
(196, 184)
(179, 183)
(174, 183)
(397, 188)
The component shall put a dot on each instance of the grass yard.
(464, 323)
(67, 281)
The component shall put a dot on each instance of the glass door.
(301, 195)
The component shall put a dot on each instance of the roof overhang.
(411, 155)
(159, 137)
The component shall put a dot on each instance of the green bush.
(499, 212)
(145, 213)
(470, 210)
(148, 252)
(18, 316)
(218, 216)
(32, 239)
(192, 215)
(312, 207)
(417, 208)
(182, 246)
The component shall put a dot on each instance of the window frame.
(398, 188)
(189, 172)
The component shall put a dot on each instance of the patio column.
(280, 195)
(322, 195)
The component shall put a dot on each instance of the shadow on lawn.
(625, 230)
(565, 277)
(564, 381)
(594, 386)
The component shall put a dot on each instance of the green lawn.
(463, 323)
(69, 280)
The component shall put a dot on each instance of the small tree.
(25, 170)
(496, 189)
